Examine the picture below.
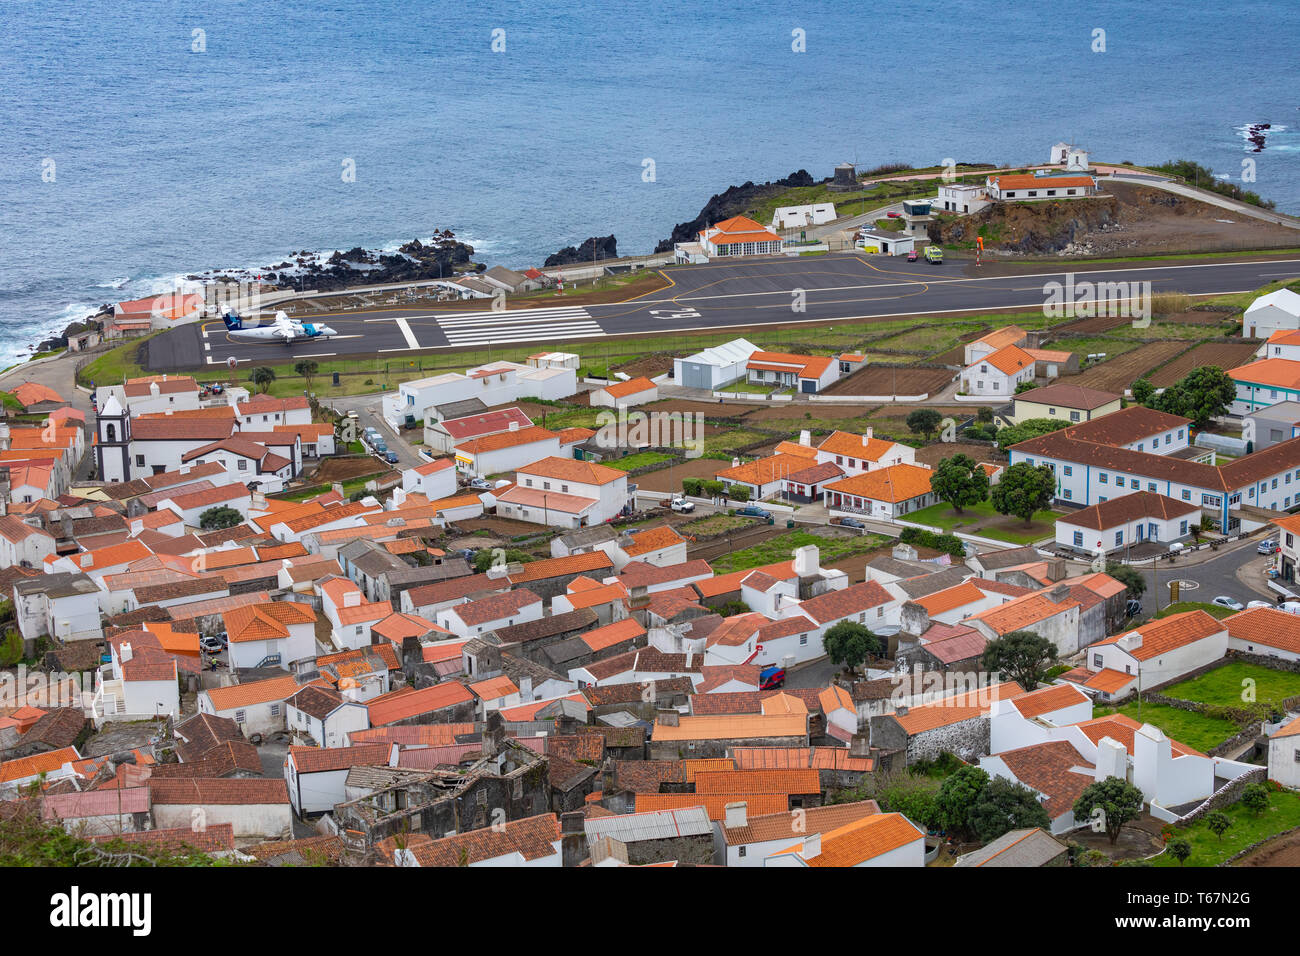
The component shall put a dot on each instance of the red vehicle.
(893, 215)
(911, 255)
(771, 678)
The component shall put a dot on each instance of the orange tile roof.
(1167, 634)
(1009, 360)
(265, 622)
(1120, 728)
(954, 709)
(1021, 612)
(1109, 681)
(714, 804)
(1274, 372)
(893, 484)
(1030, 181)
(805, 366)
(508, 439)
(529, 711)
(764, 470)
(950, 598)
(733, 727)
(47, 762)
(1267, 626)
(836, 697)
(632, 386)
(32, 393)
(652, 539)
(408, 702)
(794, 780)
(1035, 703)
(1289, 729)
(558, 567)
(855, 446)
(494, 687)
(611, 634)
(1001, 338)
(726, 583)
(570, 469)
(254, 692)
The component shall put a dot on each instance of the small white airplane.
(282, 329)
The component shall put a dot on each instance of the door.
(809, 385)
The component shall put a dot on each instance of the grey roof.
(899, 569)
(1029, 847)
(406, 577)
(930, 583)
(62, 584)
(1009, 558)
(655, 825)
(588, 537)
(469, 406)
(381, 778)
(562, 652)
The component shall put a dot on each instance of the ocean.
(143, 141)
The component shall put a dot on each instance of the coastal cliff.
(732, 201)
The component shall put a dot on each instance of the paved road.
(721, 295)
(369, 415)
(1236, 571)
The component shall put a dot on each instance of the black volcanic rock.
(595, 248)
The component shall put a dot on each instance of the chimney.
(667, 717)
(124, 651)
(525, 690)
(1060, 593)
(337, 487)
(690, 656)
(867, 437)
(900, 710)
(737, 815)
(514, 426)
(735, 463)
(352, 599)
(805, 437)
(812, 847)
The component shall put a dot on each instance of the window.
(139, 461)
(1211, 500)
(1101, 498)
(1078, 539)
(1051, 411)
(803, 639)
(1290, 539)
(742, 849)
(984, 369)
(240, 716)
(1251, 492)
(275, 710)
(1140, 446)
(1103, 478)
(1180, 434)
(1119, 538)
(1151, 486)
(880, 611)
(546, 486)
(358, 629)
(1134, 484)
(1274, 484)
(1168, 439)
(564, 489)
(1182, 527)
(1074, 416)
(1069, 470)
(1069, 494)
(243, 464)
(1187, 495)
(1097, 661)
(1051, 192)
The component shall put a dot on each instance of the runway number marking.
(686, 313)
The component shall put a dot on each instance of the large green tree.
(1004, 806)
(1117, 800)
(1021, 656)
(958, 793)
(307, 368)
(1023, 490)
(262, 377)
(1202, 394)
(924, 421)
(216, 519)
(960, 481)
(1029, 428)
(1128, 576)
(849, 644)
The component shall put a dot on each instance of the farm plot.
(933, 454)
(1222, 354)
(1092, 325)
(1117, 374)
(670, 479)
(893, 380)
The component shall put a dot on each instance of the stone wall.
(1228, 793)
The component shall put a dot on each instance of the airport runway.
(719, 296)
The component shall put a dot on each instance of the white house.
(633, 392)
(264, 412)
(253, 806)
(739, 236)
(315, 776)
(139, 682)
(807, 374)
(858, 454)
(471, 618)
(1039, 186)
(999, 373)
(1270, 381)
(1284, 754)
(24, 543)
(159, 394)
(884, 493)
(1266, 632)
(964, 198)
(565, 493)
(506, 451)
(445, 435)
(800, 217)
(435, 480)
(1162, 650)
(1276, 312)
(63, 605)
(499, 383)
(881, 840)
(189, 507)
(1142, 516)
(273, 634)
(258, 707)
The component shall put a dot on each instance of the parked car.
(771, 677)
(682, 506)
(1132, 608)
(1291, 607)
(893, 215)
(851, 523)
(390, 457)
(752, 511)
(480, 484)
(1224, 601)
(212, 645)
(1268, 547)
(1251, 605)
(912, 255)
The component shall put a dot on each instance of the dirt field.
(1282, 851)
(506, 527)
(1223, 355)
(790, 411)
(342, 469)
(892, 380)
(1117, 374)
(933, 454)
(648, 365)
(1196, 318)
(710, 409)
(1100, 323)
(666, 479)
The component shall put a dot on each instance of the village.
(1004, 590)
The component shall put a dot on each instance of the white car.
(1251, 605)
(682, 506)
(1291, 607)
(1224, 601)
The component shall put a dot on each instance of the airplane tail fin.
(233, 321)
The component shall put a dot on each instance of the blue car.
(752, 511)
(771, 678)
(390, 457)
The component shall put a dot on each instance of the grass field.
(1211, 609)
(1282, 814)
(1225, 685)
(982, 520)
(1186, 726)
(638, 460)
(778, 549)
(714, 524)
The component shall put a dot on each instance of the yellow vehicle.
(934, 254)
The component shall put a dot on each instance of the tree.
(1004, 806)
(1202, 394)
(958, 794)
(984, 414)
(1117, 800)
(262, 377)
(960, 481)
(1254, 797)
(924, 421)
(1023, 490)
(1021, 656)
(1029, 428)
(1218, 823)
(1128, 576)
(1025, 387)
(738, 493)
(849, 643)
(1179, 847)
(1142, 391)
(11, 648)
(216, 519)
(307, 368)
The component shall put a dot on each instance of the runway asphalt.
(736, 295)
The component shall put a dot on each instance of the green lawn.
(1212, 609)
(779, 548)
(1282, 814)
(714, 524)
(638, 460)
(978, 520)
(1187, 727)
(1225, 685)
